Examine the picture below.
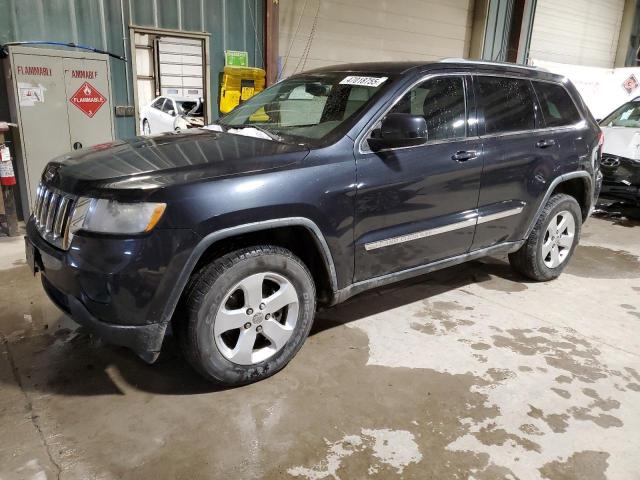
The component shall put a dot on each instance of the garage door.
(180, 66)
(371, 30)
(580, 32)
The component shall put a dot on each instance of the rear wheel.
(146, 129)
(247, 314)
(552, 240)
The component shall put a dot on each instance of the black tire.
(528, 259)
(194, 322)
(146, 129)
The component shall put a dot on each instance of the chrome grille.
(52, 215)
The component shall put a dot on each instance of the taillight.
(601, 139)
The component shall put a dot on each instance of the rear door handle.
(546, 143)
(464, 155)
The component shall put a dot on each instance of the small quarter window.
(557, 107)
(507, 104)
(158, 103)
(441, 102)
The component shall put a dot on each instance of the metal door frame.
(206, 65)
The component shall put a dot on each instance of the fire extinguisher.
(7, 177)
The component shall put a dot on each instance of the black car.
(326, 184)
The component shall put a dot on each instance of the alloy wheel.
(558, 239)
(256, 318)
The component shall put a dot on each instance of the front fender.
(214, 237)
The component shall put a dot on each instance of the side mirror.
(399, 130)
(172, 113)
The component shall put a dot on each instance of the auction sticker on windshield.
(363, 81)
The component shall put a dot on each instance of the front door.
(416, 205)
(167, 116)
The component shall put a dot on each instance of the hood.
(622, 142)
(146, 163)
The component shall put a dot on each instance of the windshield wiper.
(272, 136)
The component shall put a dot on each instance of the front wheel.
(246, 314)
(552, 241)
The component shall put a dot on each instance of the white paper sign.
(363, 81)
(5, 155)
(6, 169)
(29, 94)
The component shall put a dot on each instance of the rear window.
(557, 107)
(507, 104)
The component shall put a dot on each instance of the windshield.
(307, 106)
(185, 107)
(628, 115)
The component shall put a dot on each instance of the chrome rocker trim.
(472, 222)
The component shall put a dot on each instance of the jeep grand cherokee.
(326, 184)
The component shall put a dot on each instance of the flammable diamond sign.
(88, 99)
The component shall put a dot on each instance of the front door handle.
(464, 155)
(546, 143)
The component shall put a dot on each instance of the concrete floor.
(471, 372)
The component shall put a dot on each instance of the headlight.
(108, 216)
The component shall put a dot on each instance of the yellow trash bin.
(239, 84)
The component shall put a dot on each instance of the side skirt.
(359, 287)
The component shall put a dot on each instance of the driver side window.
(168, 107)
(441, 102)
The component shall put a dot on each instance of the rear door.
(564, 124)
(416, 205)
(520, 158)
(155, 115)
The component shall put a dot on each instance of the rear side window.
(507, 104)
(158, 103)
(557, 107)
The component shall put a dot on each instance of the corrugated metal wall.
(233, 25)
(580, 32)
(370, 30)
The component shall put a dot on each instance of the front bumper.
(119, 288)
(145, 340)
(621, 178)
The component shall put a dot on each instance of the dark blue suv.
(328, 183)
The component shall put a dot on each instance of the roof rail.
(499, 64)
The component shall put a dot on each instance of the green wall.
(232, 24)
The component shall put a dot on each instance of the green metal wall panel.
(497, 32)
(634, 40)
(498, 29)
(232, 25)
